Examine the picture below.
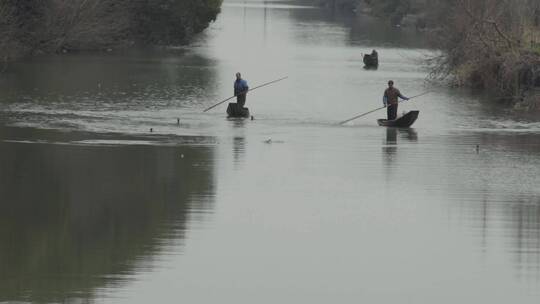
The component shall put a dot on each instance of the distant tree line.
(46, 26)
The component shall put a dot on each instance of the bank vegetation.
(29, 27)
(491, 45)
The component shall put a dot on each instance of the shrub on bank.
(491, 46)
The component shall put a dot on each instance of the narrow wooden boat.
(233, 110)
(404, 121)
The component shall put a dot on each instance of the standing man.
(390, 100)
(240, 90)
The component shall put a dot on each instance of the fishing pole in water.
(369, 112)
(259, 86)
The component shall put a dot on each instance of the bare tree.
(486, 45)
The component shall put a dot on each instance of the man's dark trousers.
(391, 111)
(241, 100)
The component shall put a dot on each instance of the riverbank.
(495, 50)
(31, 27)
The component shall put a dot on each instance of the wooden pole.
(364, 114)
(260, 86)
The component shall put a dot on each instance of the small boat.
(234, 111)
(371, 61)
(404, 121)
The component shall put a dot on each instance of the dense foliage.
(172, 21)
(45, 26)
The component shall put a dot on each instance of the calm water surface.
(287, 208)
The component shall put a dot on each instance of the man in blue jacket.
(240, 90)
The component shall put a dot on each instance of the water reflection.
(368, 30)
(500, 203)
(113, 78)
(77, 218)
(513, 220)
(265, 22)
(392, 209)
(391, 143)
(239, 140)
(525, 224)
(363, 30)
(105, 93)
(520, 220)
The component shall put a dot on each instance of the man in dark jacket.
(390, 100)
(240, 90)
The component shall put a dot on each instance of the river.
(104, 198)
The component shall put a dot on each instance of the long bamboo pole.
(369, 112)
(260, 86)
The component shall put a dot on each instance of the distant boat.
(371, 61)
(234, 111)
(404, 121)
